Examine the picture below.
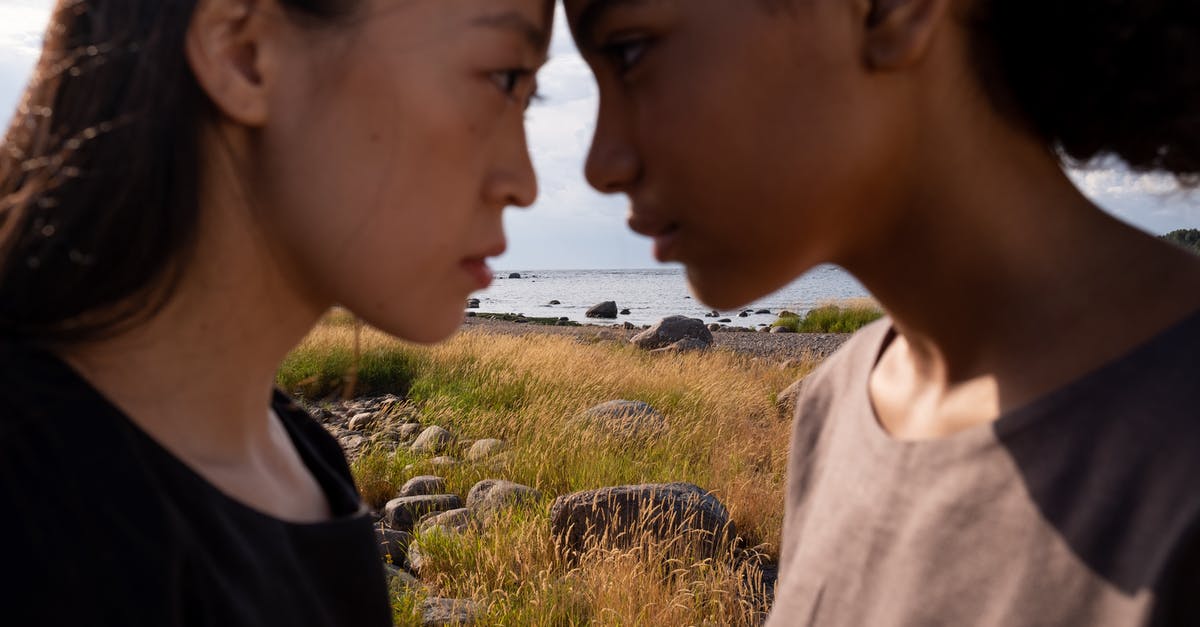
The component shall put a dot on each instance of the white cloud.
(1152, 202)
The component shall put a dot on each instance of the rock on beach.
(672, 329)
(606, 310)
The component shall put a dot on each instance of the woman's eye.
(508, 81)
(626, 53)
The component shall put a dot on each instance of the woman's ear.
(225, 50)
(899, 32)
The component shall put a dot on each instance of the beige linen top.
(1082, 508)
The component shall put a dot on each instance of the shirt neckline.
(280, 404)
(1007, 424)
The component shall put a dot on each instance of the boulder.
(425, 485)
(626, 312)
(402, 513)
(514, 275)
(670, 330)
(763, 312)
(725, 320)
(680, 517)
(782, 330)
(433, 440)
(442, 612)
(714, 327)
(633, 419)
(490, 496)
(453, 521)
(483, 449)
(744, 314)
(473, 303)
(603, 310)
(785, 401)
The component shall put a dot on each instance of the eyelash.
(626, 53)
(508, 81)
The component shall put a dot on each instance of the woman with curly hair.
(1018, 442)
(186, 188)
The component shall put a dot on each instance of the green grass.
(723, 434)
(847, 318)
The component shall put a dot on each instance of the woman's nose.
(612, 163)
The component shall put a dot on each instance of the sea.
(650, 295)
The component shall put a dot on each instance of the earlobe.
(899, 32)
(223, 48)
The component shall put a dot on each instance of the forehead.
(531, 18)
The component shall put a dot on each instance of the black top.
(100, 525)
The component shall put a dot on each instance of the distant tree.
(1188, 238)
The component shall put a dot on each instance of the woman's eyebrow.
(537, 35)
(590, 16)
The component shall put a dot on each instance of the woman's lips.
(664, 233)
(479, 272)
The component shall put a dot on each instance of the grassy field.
(724, 435)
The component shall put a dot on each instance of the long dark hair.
(99, 169)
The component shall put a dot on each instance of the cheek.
(373, 192)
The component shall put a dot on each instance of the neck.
(998, 258)
(200, 374)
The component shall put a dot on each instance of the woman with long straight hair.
(186, 187)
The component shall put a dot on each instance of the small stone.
(554, 302)
(453, 521)
(490, 496)
(633, 419)
(483, 449)
(626, 312)
(392, 544)
(410, 431)
(362, 421)
(442, 612)
(514, 275)
(402, 513)
(782, 330)
(433, 440)
(425, 485)
(444, 462)
(399, 580)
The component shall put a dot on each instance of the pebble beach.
(780, 347)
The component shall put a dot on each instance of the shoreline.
(770, 346)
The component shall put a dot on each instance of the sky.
(571, 226)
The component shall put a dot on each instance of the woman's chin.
(425, 327)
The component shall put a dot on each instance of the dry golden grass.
(724, 435)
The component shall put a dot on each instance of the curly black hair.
(1098, 77)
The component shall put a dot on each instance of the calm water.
(650, 295)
